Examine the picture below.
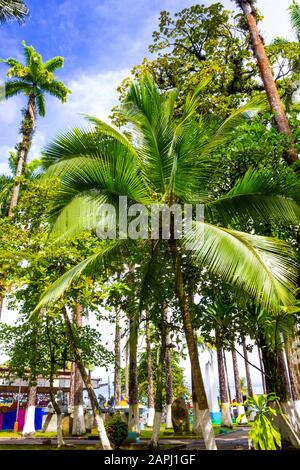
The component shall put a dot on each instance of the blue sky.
(101, 41)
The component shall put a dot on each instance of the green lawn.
(18, 435)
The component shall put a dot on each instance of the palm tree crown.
(175, 160)
(35, 78)
(13, 10)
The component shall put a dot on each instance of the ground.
(233, 440)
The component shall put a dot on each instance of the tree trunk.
(197, 428)
(224, 398)
(237, 384)
(78, 427)
(150, 397)
(117, 371)
(27, 129)
(105, 444)
(29, 426)
(154, 444)
(1, 305)
(261, 364)
(268, 80)
(275, 384)
(56, 408)
(207, 429)
(127, 370)
(247, 368)
(133, 423)
(168, 370)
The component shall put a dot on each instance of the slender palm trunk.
(197, 428)
(1, 305)
(78, 427)
(133, 423)
(247, 368)
(117, 371)
(294, 376)
(268, 79)
(261, 364)
(237, 384)
(207, 429)
(150, 397)
(27, 129)
(224, 398)
(29, 426)
(105, 444)
(127, 370)
(168, 369)
(154, 443)
(56, 407)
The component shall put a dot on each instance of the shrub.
(116, 430)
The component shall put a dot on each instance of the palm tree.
(13, 10)
(169, 161)
(249, 9)
(34, 79)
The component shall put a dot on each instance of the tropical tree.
(13, 10)
(34, 79)
(249, 9)
(174, 160)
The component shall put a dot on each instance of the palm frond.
(259, 194)
(256, 105)
(53, 64)
(57, 89)
(13, 10)
(89, 267)
(41, 104)
(263, 267)
(108, 130)
(13, 88)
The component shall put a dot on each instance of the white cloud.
(91, 94)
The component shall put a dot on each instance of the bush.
(116, 430)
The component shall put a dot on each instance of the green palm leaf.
(263, 267)
(258, 194)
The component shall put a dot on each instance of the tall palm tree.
(13, 10)
(34, 79)
(174, 160)
(249, 9)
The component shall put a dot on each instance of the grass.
(42, 447)
(18, 435)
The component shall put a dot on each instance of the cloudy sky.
(101, 41)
